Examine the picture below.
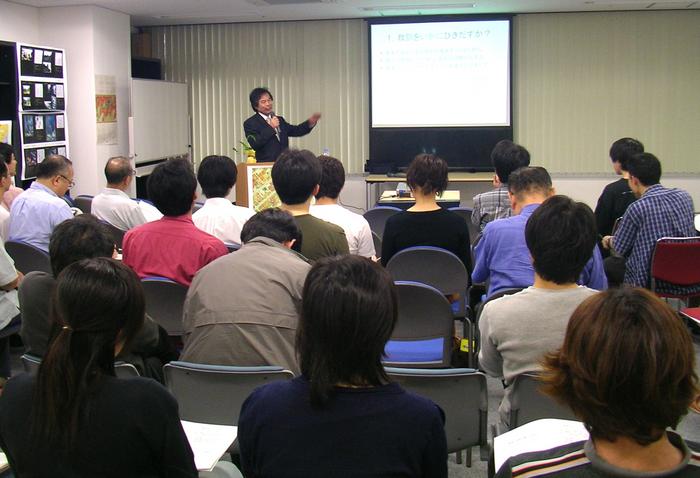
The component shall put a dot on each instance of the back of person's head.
(255, 96)
(348, 314)
(272, 223)
(626, 367)
(217, 175)
(427, 173)
(117, 169)
(98, 306)
(529, 180)
(7, 152)
(53, 165)
(508, 156)
(623, 149)
(81, 237)
(561, 235)
(332, 177)
(171, 187)
(295, 175)
(646, 168)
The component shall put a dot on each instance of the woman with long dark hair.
(75, 418)
(342, 417)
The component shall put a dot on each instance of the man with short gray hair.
(114, 206)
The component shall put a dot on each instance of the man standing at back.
(356, 227)
(39, 209)
(658, 212)
(113, 205)
(506, 158)
(517, 330)
(171, 247)
(502, 257)
(219, 217)
(296, 176)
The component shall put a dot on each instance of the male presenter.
(267, 133)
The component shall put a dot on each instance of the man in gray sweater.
(517, 330)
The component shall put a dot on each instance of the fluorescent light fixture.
(429, 6)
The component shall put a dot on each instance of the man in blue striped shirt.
(659, 212)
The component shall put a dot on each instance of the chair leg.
(469, 457)
(458, 457)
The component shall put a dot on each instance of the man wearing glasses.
(40, 208)
(113, 204)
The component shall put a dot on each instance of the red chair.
(692, 314)
(675, 268)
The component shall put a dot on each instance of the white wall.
(97, 42)
(19, 23)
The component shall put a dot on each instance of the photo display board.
(42, 105)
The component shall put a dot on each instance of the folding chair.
(377, 216)
(121, 369)
(377, 244)
(466, 214)
(528, 404)
(84, 203)
(232, 246)
(165, 300)
(28, 258)
(438, 268)
(214, 393)
(424, 332)
(675, 268)
(462, 395)
(197, 206)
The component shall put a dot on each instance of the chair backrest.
(466, 214)
(424, 315)
(462, 395)
(31, 363)
(675, 262)
(125, 370)
(232, 246)
(377, 216)
(434, 266)
(214, 393)
(165, 300)
(197, 206)
(84, 203)
(28, 258)
(528, 404)
(377, 241)
(115, 233)
(497, 295)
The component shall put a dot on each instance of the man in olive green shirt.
(296, 176)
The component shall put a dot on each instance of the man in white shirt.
(219, 217)
(356, 227)
(114, 206)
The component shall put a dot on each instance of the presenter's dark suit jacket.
(263, 140)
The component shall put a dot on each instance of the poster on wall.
(6, 132)
(106, 109)
(42, 105)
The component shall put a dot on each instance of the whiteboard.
(159, 125)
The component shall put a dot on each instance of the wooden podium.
(254, 187)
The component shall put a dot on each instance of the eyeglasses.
(70, 182)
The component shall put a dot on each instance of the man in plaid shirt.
(659, 212)
(495, 204)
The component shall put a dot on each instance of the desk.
(372, 180)
(446, 200)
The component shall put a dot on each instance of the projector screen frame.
(465, 148)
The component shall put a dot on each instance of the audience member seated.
(658, 212)
(113, 204)
(342, 417)
(5, 184)
(356, 227)
(627, 370)
(296, 176)
(617, 196)
(39, 209)
(255, 321)
(517, 330)
(506, 157)
(10, 278)
(502, 255)
(219, 217)
(83, 237)
(425, 223)
(7, 155)
(171, 247)
(75, 418)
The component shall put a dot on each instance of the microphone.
(272, 115)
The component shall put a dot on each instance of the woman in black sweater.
(75, 418)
